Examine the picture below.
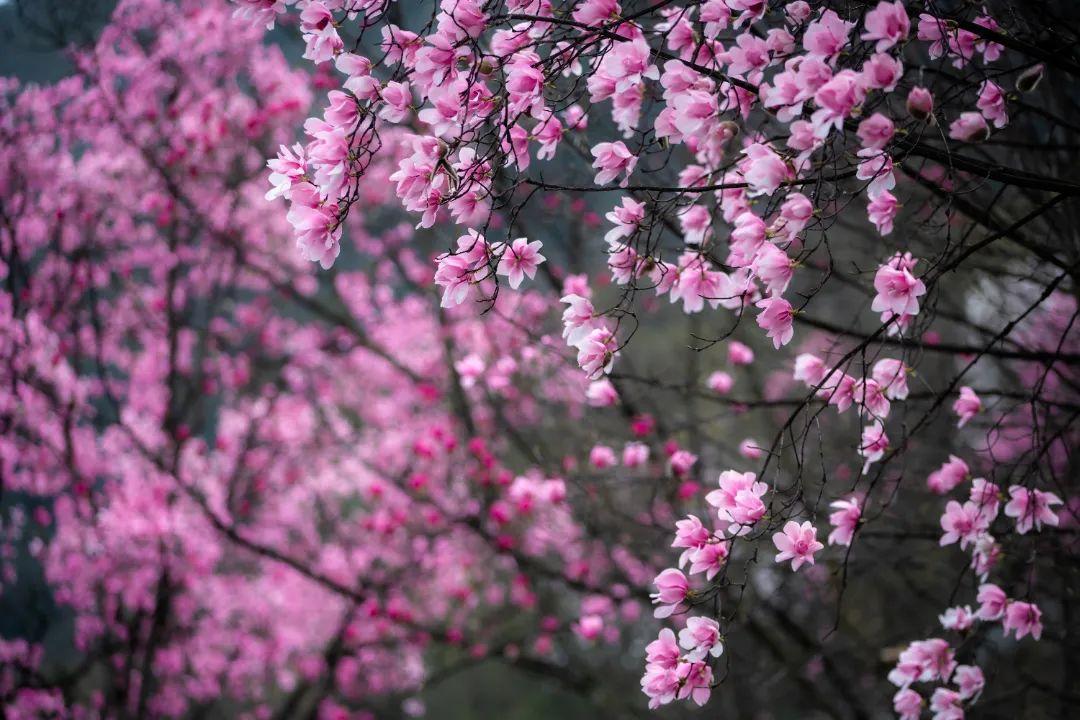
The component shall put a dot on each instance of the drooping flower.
(844, 519)
(1023, 618)
(519, 260)
(966, 406)
(1031, 508)
(672, 589)
(701, 638)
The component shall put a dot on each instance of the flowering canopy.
(303, 427)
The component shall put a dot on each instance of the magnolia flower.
(844, 519)
(966, 406)
(776, 318)
(701, 637)
(1031, 508)
(671, 591)
(948, 476)
(1023, 618)
(992, 602)
(797, 543)
(612, 160)
(520, 260)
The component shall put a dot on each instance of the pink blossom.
(701, 638)
(887, 23)
(696, 681)
(881, 72)
(963, 523)
(959, 618)
(578, 318)
(720, 382)
(875, 131)
(969, 127)
(750, 449)
(520, 260)
(907, 704)
(923, 661)
(635, 454)
(612, 160)
(966, 406)
(589, 627)
(985, 494)
(881, 211)
(891, 375)
(810, 369)
(827, 36)
(764, 170)
(597, 352)
(874, 444)
(844, 519)
(991, 103)
(992, 602)
(1023, 618)
(836, 100)
(920, 103)
(738, 501)
(690, 534)
(797, 543)
(948, 476)
(709, 558)
(1031, 508)
(596, 12)
(601, 393)
(739, 354)
(945, 704)
(672, 590)
(664, 651)
(602, 457)
(970, 681)
(776, 318)
(626, 218)
(681, 461)
(773, 267)
(898, 291)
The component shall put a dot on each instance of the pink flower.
(720, 382)
(776, 319)
(696, 682)
(597, 352)
(948, 476)
(681, 461)
(874, 444)
(923, 661)
(709, 558)
(920, 103)
(690, 534)
(739, 354)
(626, 218)
(797, 543)
(966, 406)
(835, 101)
(844, 519)
(589, 627)
(602, 457)
(945, 704)
(773, 267)
(701, 637)
(1031, 508)
(1024, 618)
(635, 454)
(887, 23)
(601, 393)
(664, 651)
(908, 704)
(992, 602)
(875, 131)
(898, 291)
(827, 36)
(596, 12)
(881, 210)
(578, 318)
(613, 159)
(891, 375)
(985, 494)
(287, 169)
(969, 127)
(764, 170)
(520, 260)
(738, 501)
(672, 589)
(750, 449)
(963, 522)
(959, 618)
(970, 680)
(991, 103)
(810, 369)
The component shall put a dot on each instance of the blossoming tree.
(760, 315)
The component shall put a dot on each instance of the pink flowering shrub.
(759, 316)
